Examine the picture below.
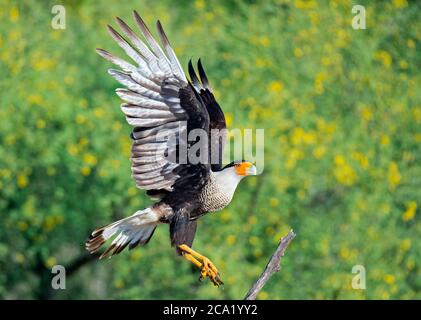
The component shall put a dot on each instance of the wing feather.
(217, 124)
(161, 106)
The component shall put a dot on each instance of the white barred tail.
(131, 231)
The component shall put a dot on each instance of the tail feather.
(131, 231)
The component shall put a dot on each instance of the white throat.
(227, 180)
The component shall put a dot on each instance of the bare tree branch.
(274, 265)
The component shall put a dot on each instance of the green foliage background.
(341, 111)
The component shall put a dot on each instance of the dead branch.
(274, 265)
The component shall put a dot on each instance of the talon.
(207, 268)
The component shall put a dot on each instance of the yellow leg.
(207, 268)
(192, 259)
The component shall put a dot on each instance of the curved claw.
(207, 268)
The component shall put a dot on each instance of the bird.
(164, 107)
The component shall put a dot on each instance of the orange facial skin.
(242, 168)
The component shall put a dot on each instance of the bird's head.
(230, 176)
(242, 168)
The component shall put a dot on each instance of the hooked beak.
(251, 171)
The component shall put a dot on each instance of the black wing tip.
(135, 13)
(100, 51)
(190, 67)
(95, 241)
(202, 74)
(162, 34)
(112, 31)
(138, 18)
(193, 76)
(120, 21)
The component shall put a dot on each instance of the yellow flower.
(366, 113)
(225, 216)
(228, 118)
(199, 4)
(252, 220)
(301, 194)
(298, 52)
(339, 160)
(326, 61)
(274, 202)
(85, 171)
(43, 64)
(40, 124)
(384, 57)
(261, 63)
(305, 4)
(319, 152)
(35, 99)
(80, 119)
(416, 113)
(51, 262)
(343, 172)
(253, 240)
(231, 239)
(90, 159)
(394, 176)
(319, 82)
(22, 180)
(73, 149)
(344, 253)
(411, 209)
(405, 245)
(14, 14)
(314, 17)
(136, 255)
(400, 3)
(209, 16)
(264, 41)
(361, 158)
(384, 140)
(99, 112)
(410, 264)
(389, 279)
(49, 223)
(275, 87)
(410, 43)
(403, 64)
(83, 141)
(263, 295)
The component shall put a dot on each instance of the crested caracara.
(160, 102)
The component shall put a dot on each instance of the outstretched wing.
(162, 106)
(217, 125)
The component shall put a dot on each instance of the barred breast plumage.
(217, 194)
